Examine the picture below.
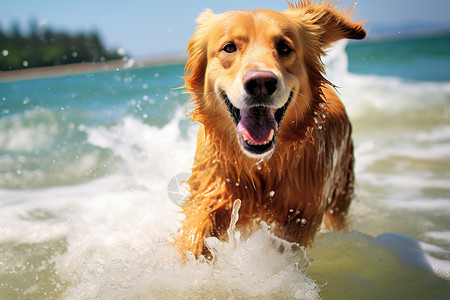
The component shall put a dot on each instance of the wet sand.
(72, 69)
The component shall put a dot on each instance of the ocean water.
(89, 173)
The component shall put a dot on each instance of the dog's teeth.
(270, 136)
(269, 139)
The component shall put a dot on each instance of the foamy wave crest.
(150, 154)
(35, 130)
(369, 95)
(42, 148)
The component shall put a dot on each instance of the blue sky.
(148, 28)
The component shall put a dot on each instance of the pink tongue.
(257, 123)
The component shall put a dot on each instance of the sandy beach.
(71, 69)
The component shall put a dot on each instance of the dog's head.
(249, 70)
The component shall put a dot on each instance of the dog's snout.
(260, 83)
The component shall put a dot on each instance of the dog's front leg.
(195, 228)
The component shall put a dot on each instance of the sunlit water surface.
(85, 166)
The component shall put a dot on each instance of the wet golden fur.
(308, 180)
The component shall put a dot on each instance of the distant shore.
(72, 69)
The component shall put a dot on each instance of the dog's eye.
(283, 48)
(229, 48)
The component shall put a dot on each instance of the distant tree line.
(46, 47)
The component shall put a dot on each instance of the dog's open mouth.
(256, 126)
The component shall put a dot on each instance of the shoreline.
(81, 68)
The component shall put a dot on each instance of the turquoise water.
(423, 58)
(86, 161)
(47, 116)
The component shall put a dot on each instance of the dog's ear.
(194, 71)
(327, 22)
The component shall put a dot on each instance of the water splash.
(234, 235)
(261, 266)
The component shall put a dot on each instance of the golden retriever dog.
(273, 132)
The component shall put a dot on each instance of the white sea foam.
(130, 264)
(31, 132)
(150, 154)
(364, 95)
(439, 236)
(437, 134)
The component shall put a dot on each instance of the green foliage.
(47, 47)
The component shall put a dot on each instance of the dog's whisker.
(218, 106)
(296, 104)
(308, 98)
(208, 93)
(307, 101)
(296, 116)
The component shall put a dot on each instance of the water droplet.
(291, 210)
(25, 63)
(271, 193)
(303, 221)
(228, 180)
(5, 52)
(316, 121)
(259, 167)
(121, 51)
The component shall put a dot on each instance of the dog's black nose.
(260, 83)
